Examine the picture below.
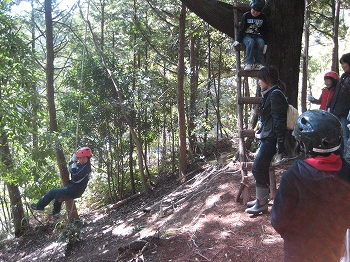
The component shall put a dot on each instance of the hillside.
(199, 221)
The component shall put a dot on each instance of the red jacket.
(325, 98)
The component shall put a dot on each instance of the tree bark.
(180, 96)
(285, 41)
(62, 165)
(193, 96)
(335, 54)
(305, 57)
(19, 221)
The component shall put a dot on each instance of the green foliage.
(70, 232)
(322, 20)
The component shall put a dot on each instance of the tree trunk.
(19, 221)
(218, 94)
(335, 54)
(305, 57)
(193, 96)
(62, 165)
(206, 115)
(180, 95)
(285, 39)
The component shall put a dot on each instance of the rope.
(81, 81)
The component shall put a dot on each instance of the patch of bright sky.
(25, 6)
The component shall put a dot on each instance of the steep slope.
(194, 221)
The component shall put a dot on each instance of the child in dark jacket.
(80, 173)
(311, 209)
(253, 33)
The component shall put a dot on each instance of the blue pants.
(54, 194)
(253, 43)
(261, 165)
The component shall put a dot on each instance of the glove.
(74, 158)
(348, 117)
(265, 48)
(73, 165)
(310, 97)
(280, 146)
(235, 43)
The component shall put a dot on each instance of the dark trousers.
(261, 165)
(54, 194)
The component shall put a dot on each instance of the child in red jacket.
(330, 80)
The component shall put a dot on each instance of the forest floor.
(198, 220)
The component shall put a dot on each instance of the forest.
(149, 86)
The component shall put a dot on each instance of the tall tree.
(19, 220)
(193, 143)
(335, 36)
(61, 161)
(305, 56)
(180, 96)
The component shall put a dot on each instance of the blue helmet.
(257, 5)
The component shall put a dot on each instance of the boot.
(251, 203)
(261, 205)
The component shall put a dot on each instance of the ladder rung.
(249, 100)
(253, 73)
(239, 47)
(246, 166)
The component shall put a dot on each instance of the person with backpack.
(331, 79)
(253, 33)
(272, 131)
(311, 209)
(80, 169)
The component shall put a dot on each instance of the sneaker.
(248, 67)
(258, 66)
(35, 207)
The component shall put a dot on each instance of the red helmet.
(84, 151)
(332, 74)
